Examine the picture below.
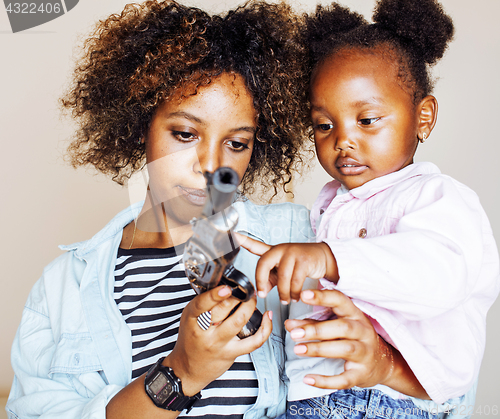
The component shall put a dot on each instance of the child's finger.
(253, 246)
(340, 304)
(349, 350)
(328, 330)
(297, 280)
(262, 275)
(283, 275)
(291, 324)
(335, 382)
(264, 271)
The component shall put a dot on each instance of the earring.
(424, 137)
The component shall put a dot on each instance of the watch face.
(160, 387)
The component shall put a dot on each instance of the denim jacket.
(72, 351)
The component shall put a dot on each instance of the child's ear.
(427, 116)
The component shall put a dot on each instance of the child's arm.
(287, 265)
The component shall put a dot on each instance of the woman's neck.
(151, 229)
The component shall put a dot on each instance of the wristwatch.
(165, 388)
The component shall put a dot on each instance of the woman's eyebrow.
(250, 129)
(191, 117)
(186, 115)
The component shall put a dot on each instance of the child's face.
(187, 136)
(365, 124)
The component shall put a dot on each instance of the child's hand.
(287, 266)
(350, 336)
(369, 360)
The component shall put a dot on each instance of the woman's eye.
(368, 121)
(237, 146)
(183, 135)
(324, 127)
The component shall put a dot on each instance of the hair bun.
(421, 25)
(327, 24)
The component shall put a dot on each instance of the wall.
(45, 202)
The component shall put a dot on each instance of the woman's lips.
(349, 167)
(195, 196)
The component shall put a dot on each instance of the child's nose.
(343, 139)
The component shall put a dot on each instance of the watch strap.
(181, 402)
(178, 401)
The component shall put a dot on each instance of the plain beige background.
(44, 202)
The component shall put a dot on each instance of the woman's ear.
(427, 117)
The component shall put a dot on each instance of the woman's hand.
(200, 356)
(369, 360)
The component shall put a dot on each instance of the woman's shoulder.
(274, 223)
(110, 231)
(77, 256)
(286, 209)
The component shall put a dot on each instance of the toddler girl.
(412, 247)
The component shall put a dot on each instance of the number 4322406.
(33, 8)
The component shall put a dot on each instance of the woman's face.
(190, 135)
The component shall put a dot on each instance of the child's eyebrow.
(370, 101)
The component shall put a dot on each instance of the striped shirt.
(151, 290)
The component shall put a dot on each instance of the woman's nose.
(209, 158)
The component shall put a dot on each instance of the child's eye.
(368, 121)
(183, 136)
(324, 127)
(237, 145)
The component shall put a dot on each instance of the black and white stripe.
(204, 320)
(151, 290)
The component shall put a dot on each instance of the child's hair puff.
(324, 29)
(415, 33)
(421, 26)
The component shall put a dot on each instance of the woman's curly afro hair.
(136, 60)
(414, 32)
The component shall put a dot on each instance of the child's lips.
(350, 167)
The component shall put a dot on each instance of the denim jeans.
(356, 404)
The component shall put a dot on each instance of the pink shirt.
(416, 253)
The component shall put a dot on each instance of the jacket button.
(362, 233)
